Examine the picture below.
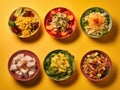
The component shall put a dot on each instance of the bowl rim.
(74, 26)
(109, 63)
(38, 17)
(84, 13)
(26, 52)
(66, 77)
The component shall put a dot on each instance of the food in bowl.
(24, 22)
(96, 22)
(60, 22)
(59, 64)
(96, 65)
(23, 65)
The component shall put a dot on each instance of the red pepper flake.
(96, 21)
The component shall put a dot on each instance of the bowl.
(96, 22)
(96, 65)
(60, 23)
(24, 65)
(59, 65)
(24, 22)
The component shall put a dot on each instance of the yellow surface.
(78, 45)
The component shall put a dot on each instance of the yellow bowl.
(24, 22)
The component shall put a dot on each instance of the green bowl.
(59, 65)
(96, 22)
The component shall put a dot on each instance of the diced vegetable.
(16, 30)
(49, 27)
(99, 75)
(70, 17)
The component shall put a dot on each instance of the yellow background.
(78, 44)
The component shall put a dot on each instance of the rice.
(97, 22)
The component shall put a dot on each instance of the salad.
(24, 22)
(60, 22)
(96, 22)
(96, 65)
(59, 64)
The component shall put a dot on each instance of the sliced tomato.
(61, 10)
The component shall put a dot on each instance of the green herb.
(105, 31)
(11, 23)
(107, 71)
(60, 21)
(102, 11)
(85, 23)
(108, 19)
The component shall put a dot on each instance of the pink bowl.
(49, 17)
(29, 53)
(105, 73)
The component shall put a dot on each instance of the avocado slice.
(18, 11)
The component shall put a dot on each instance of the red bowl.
(94, 70)
(55, 27)
(29, 53)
